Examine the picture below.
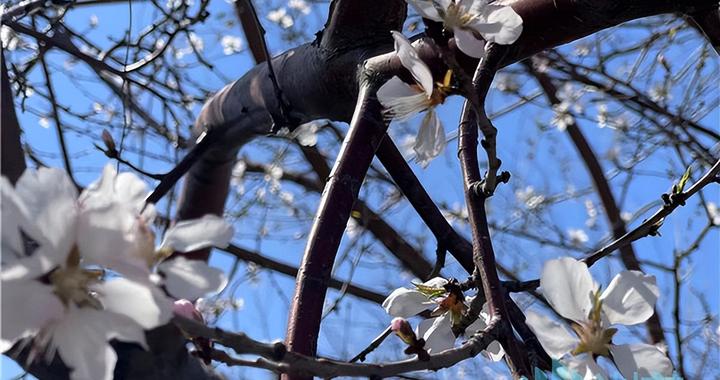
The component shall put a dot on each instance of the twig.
(373, 345)
(651, 224)
(275, 357)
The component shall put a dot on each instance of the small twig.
(651, 225)
(115, 155)
(373, 345)
(440, 254)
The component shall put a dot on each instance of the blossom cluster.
(473, 23)
(79, 270)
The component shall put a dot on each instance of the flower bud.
(185, 308)
(401, 327)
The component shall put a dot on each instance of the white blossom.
(281, 17)
(447, 311)
(44, 122)
(55, 245)
(562, 117)
(300, 6)
(231, 44)
(577, 236)
(94, 21)
(629, 299)
(714, 213)
(402, 101)
(529, 197)
(306, 134)
(473, 22)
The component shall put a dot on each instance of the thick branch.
(12, 160)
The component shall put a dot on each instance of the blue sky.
(536, 154)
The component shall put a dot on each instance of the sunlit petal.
(641, 360)
(411, 61)
(405, 303)
(630, 298)
(567, 285)
(191, 279)
(190, 235)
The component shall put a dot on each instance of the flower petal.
(25, 251)
(401, 101)
(82, 336)
(436, 282)
(411, 61)
(20, 317)
(190, 235)
(468, 43)
(498, 23)
(51, 199)
(630, 298)
(554, 337)
(426, 9)
(567, 285)
(583, 366)
(430, 141)
(142, 302)
(437, 333)
(641, 360)
(191, 279)
(405, 303)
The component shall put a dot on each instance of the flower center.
(595, 338)
(456, 16)
(71, 283)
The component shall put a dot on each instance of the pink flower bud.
(185, 308)
(401, 327)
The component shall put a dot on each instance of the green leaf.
(683, 180)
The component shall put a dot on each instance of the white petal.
(20, 317)
(18, 258)
(51, 199)
(114, 236)
(401, 101)
(81, 339)
(641, 360)
(436, 282)
(630, 298)
(191, 279)
(437, 333)
(410, 60)
(468, 43)
(499, 24)
(583, 366)
(190, 235)
(554, 337)
(426, 9)
(394, 88)
(405, 303)
(567, 285)
(142, 302)
(430, 141)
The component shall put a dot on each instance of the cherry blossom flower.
(231, 44)
(55, 245)
(447, 310)
(403, 101)
(281, 17)
(473, 22)
(72, 311)
(628, 300)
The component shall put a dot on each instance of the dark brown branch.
(707, 22)
(12, 161)
(366, 132)
(483, 254)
